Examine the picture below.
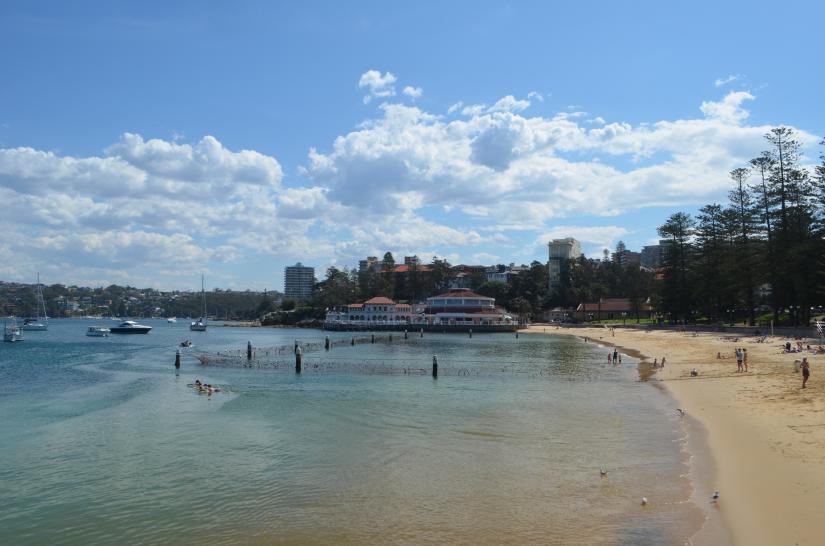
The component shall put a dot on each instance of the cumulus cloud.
(730, 109)
(377, 84)
(524, 171)
(413, 92)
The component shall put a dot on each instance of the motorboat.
(97, 331)
(130, 327)
(12, 332)
(172, 320)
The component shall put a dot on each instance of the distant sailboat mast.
(200, 324)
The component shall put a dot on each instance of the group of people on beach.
(614, 358)
(657, 364)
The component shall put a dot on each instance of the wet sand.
(765, 435)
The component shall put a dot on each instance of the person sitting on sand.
(806, 371)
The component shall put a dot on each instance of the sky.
(147, 143)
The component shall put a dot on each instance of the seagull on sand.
(714, 497)
(682, 412)
(644, 501)
(603, 472)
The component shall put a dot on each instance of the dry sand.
(765, 433)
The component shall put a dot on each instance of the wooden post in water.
(177, 359)
(516, 334)
(249, 350)
(390, 339)
(372, 338)
(298, 352)
(435, 367)
(405, 334)
(471, 333)
(326, 343)
(353, 341)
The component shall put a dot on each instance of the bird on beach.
(682, 412)
(603, 473)
(644, 501)
(714, 497)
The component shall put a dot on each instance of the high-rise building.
(560, 250)
(653, 256)
(298, 281)
(365, 266)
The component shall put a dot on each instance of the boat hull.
(34, 327)
(132, 330)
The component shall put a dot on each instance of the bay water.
(102, 441)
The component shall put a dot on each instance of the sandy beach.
(765, 434)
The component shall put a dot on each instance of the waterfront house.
(613, 309)
(465, 307)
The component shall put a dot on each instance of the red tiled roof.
(379, 300)
(406, 268)
(460, 293)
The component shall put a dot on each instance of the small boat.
(36, 324)
(12, 332)
(172, 320)
(97, 331)
(130, 327)
(200, 324)
(186, 344)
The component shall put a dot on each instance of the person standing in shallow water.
(806, 371)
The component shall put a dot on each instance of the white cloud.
(535, 95)
(413, 92)
(729, 109)
(377, 84)
(720, 82)
(509, 104)
(455, 107)
(483, 258)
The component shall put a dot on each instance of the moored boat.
(12, 332)
(38, 323)
(200, 324)
(97, 331)
(130, 327)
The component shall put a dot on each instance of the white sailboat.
(200, 324)
(37, 323)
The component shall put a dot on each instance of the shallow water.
(101, 441)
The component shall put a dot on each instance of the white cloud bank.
(498, 179)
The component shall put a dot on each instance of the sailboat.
(36, 324)
(200, 324)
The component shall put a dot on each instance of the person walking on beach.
(608, 358)
(615, 355)
(663, 362)
(806, 371)
(745, 359)
(738, 359)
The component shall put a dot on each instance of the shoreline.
(764, 434)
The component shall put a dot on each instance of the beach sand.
(766, 434)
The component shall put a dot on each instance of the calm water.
(101, 441)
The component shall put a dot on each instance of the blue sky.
(148, 143)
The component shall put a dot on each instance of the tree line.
(761, 251)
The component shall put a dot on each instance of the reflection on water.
(104, 443)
